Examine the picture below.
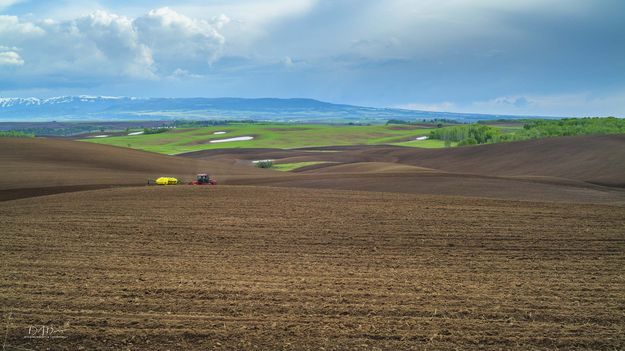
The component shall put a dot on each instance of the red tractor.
(203, 179)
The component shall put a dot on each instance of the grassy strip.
(286, 167)
(427, 144)
(15, 134)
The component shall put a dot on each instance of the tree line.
(474, 134)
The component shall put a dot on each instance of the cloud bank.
(109, 46)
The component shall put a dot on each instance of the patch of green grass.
(266, 135)
(427, 144)
(286, 167)
(15, 134)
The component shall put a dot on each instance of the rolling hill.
(574, 169)
(38, 166)
(592, 159)
(549, 170)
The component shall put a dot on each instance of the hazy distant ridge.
(67, 108)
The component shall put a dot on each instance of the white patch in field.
(241, 138)
(135, 133)
(219, 133)
(100, 136)
(258, 161)
(422, 138)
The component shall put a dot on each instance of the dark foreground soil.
(265, 268)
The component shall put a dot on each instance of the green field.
(427, 144)
(271, 135)
(286, 167)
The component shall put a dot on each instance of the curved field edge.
(288, 167)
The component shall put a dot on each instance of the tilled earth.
(265, 268)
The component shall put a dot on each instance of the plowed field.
(281, 268)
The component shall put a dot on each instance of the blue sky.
(540, 57)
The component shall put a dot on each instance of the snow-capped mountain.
(90, 108)
(10, 102)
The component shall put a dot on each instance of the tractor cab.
(204, 179)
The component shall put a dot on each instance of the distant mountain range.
(100, 108)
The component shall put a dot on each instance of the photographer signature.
(44, 332)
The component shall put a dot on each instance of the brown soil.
(439, 183)
(42, 166)
(130, 267)
(594, 159)
(559, 169)
(263, 268)
(32, 167)
(365, 168)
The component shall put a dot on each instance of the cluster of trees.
(210, 123)
(474, 134)
(398, 121)
(264, 164)
(154, 130)
(434, 121)
(535, 129)
(75, 128)
(60, 131)
(16, 134)
(471, 134)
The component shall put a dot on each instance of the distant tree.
(264, 164)
(481, 134)
(397, 121)
(154, 130)
(468, 141)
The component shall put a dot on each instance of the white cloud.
(248, 20)
(287, 62)
(10, 58)
(574, 105)
(561, 105)
(249, 11)
(108, 45)
(181, 74)
(11, 25)
(220, 21)
(7, 3)
(175, 38)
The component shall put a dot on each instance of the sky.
(526, 57)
